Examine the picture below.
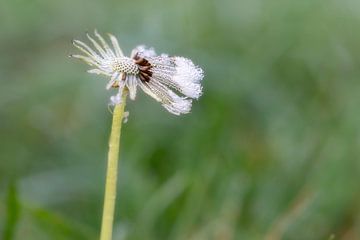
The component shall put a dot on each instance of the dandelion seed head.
(157, 75)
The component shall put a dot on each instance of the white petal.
(104, 44)
(172, 102)
(187, 71)
(98, 71)
(131, 83)
(165, 78)
(148, 91)
(179, 105)
(178, 73)
(87, 50)
(143, 51)
(98, 47)
(116, 46)
(189, 89)
(188, 77)
(88, 60)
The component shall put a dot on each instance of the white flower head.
(155, 74)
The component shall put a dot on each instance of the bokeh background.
(270, 151)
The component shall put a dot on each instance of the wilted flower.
(154, 74)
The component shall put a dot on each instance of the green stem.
(111, 174)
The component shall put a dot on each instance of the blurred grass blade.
(12, 212)
(59, 227)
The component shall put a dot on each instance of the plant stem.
(112, 169)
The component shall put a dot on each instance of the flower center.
(125, 65)
(144, 68)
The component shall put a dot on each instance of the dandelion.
(159, 76)
(155, 74)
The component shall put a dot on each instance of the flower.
(155, 74)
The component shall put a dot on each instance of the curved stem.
(111, 173)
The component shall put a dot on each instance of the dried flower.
(154, 74)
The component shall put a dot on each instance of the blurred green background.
(270, 151)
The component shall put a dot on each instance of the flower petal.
(115, 43)
(172, 102)
(178, 73)
(131, 84)
(98, 47)
(87, 50)
(143, 51)
(98, 71)
(104, 44)
(87, 60)
(188, 77)
(187, 71)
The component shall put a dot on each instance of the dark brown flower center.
(144, 68)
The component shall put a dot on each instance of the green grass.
(270, 151)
